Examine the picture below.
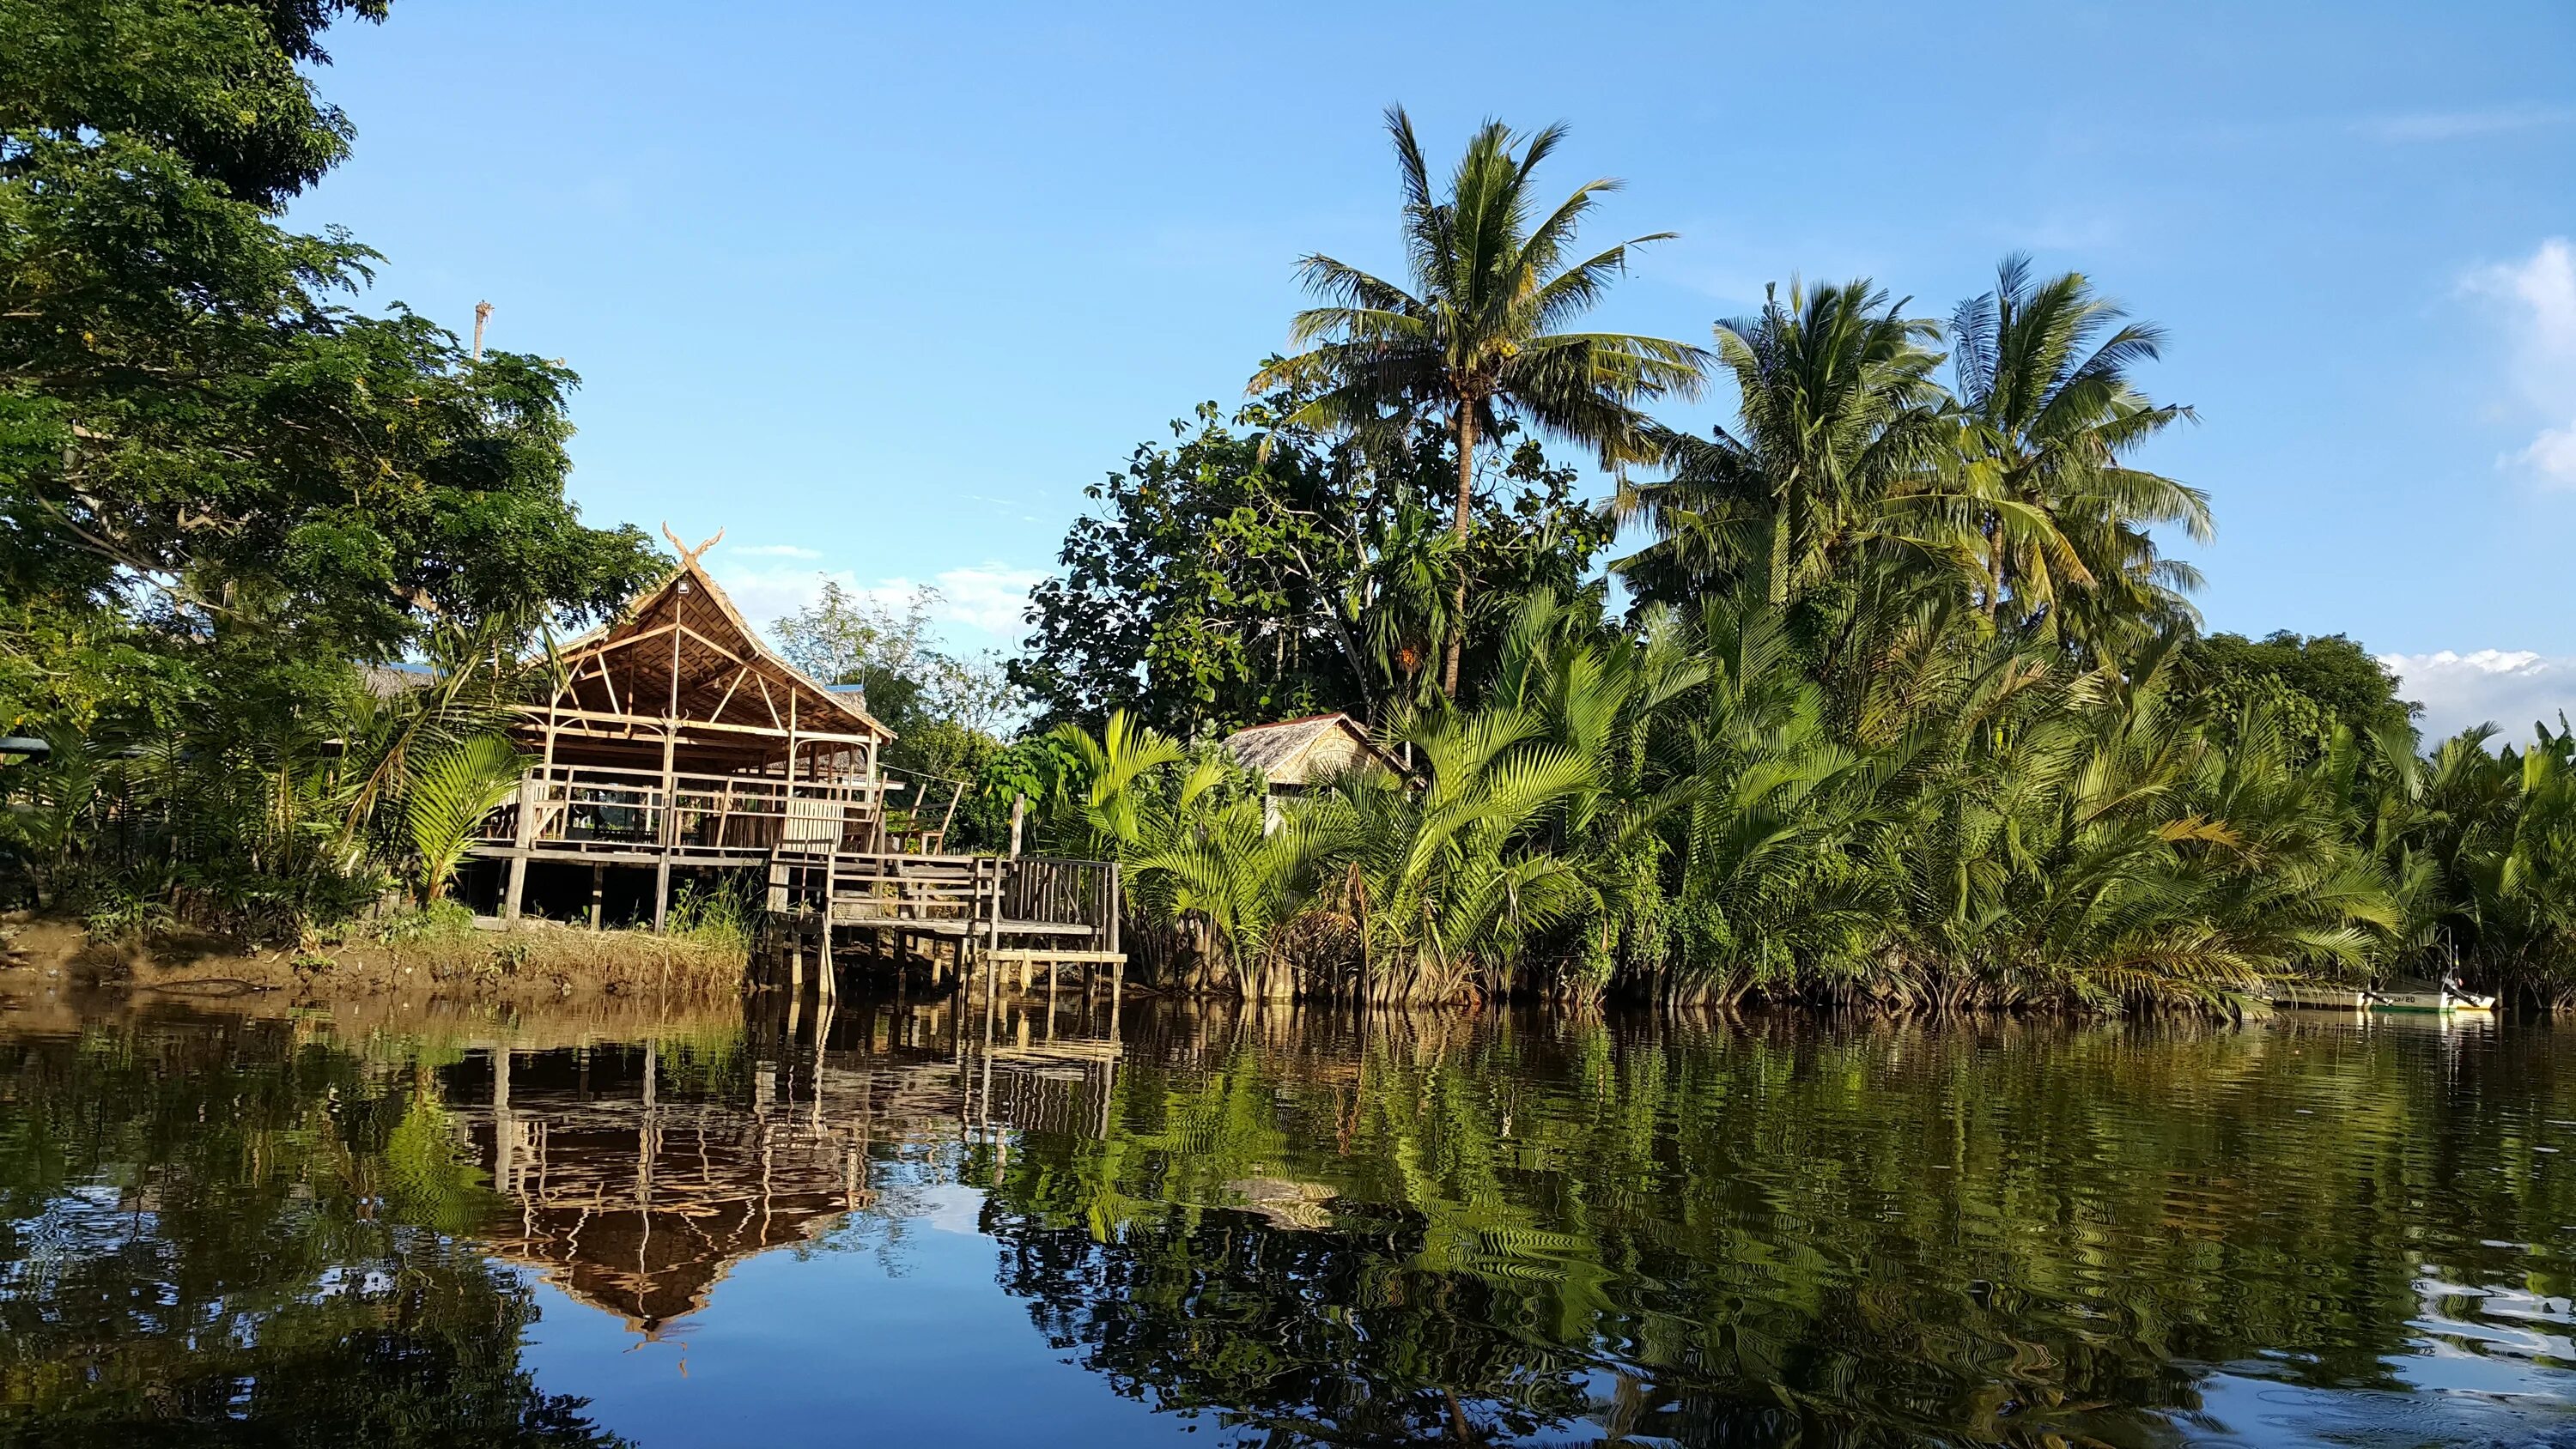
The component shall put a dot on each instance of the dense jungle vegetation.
(1887, 690)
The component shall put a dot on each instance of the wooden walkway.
(1022, 911)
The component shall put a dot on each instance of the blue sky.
(879, 289)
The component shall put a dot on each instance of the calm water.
(404, 1228)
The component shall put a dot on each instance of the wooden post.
(993, 926)
(504, 1126)
(825, 985)
(598, 893)
(521, 833)
(1117, 905)
(669, 817)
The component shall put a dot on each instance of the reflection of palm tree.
(1476, 336)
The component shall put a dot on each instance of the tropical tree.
(1836, 448)
(447, 796)
(1476, 335)
(1446, 884)
(2048, 413)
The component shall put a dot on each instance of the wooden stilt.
(521, 836)
(598, 893)
(826, 985)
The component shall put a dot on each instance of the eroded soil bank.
(532, 961)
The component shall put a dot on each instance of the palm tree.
(2047, 409)
(1836, 446)
(447, 796)
(1476, 337)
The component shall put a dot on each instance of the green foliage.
(1254, 571)
(447, 797)
(2316, 683)
(220, 483)
(726, 915)
(1494, 276)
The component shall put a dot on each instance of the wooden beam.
(710, 643)
(738, 676)
(595, 716)
(592, 652)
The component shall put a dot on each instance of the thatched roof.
(1298, 752)
(682, 648)
(391, 681)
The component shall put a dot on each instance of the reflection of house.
(640, 1204)
(637, 1194)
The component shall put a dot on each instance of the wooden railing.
(1049, 890)
(604, 806)
(892, 889)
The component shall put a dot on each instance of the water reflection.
(1278, 1228)
(637, 1175)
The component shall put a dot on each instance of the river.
(397, 1224)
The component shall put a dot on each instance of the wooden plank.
(619, 717)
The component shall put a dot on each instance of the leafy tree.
(1476, 337)
(2319, 682)
(188, 406)
(948, 711)
(1253, 570)
(221, 481)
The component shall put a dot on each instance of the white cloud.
(980, 606)
(2463, 125)
(2538, 294)
(768, 593)
(989, 598)
(2552, 455)
(2510, 688)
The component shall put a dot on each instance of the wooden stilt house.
(679, 741)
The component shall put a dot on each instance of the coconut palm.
(1836, 448)
(2048, 413)
(1476, 336)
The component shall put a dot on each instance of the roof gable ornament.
(688, 555)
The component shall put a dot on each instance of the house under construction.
(679, 746)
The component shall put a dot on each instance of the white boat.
(2445, 997)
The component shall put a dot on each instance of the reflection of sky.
(826, 1346)
(2481, 1369)
(2247, 1409)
